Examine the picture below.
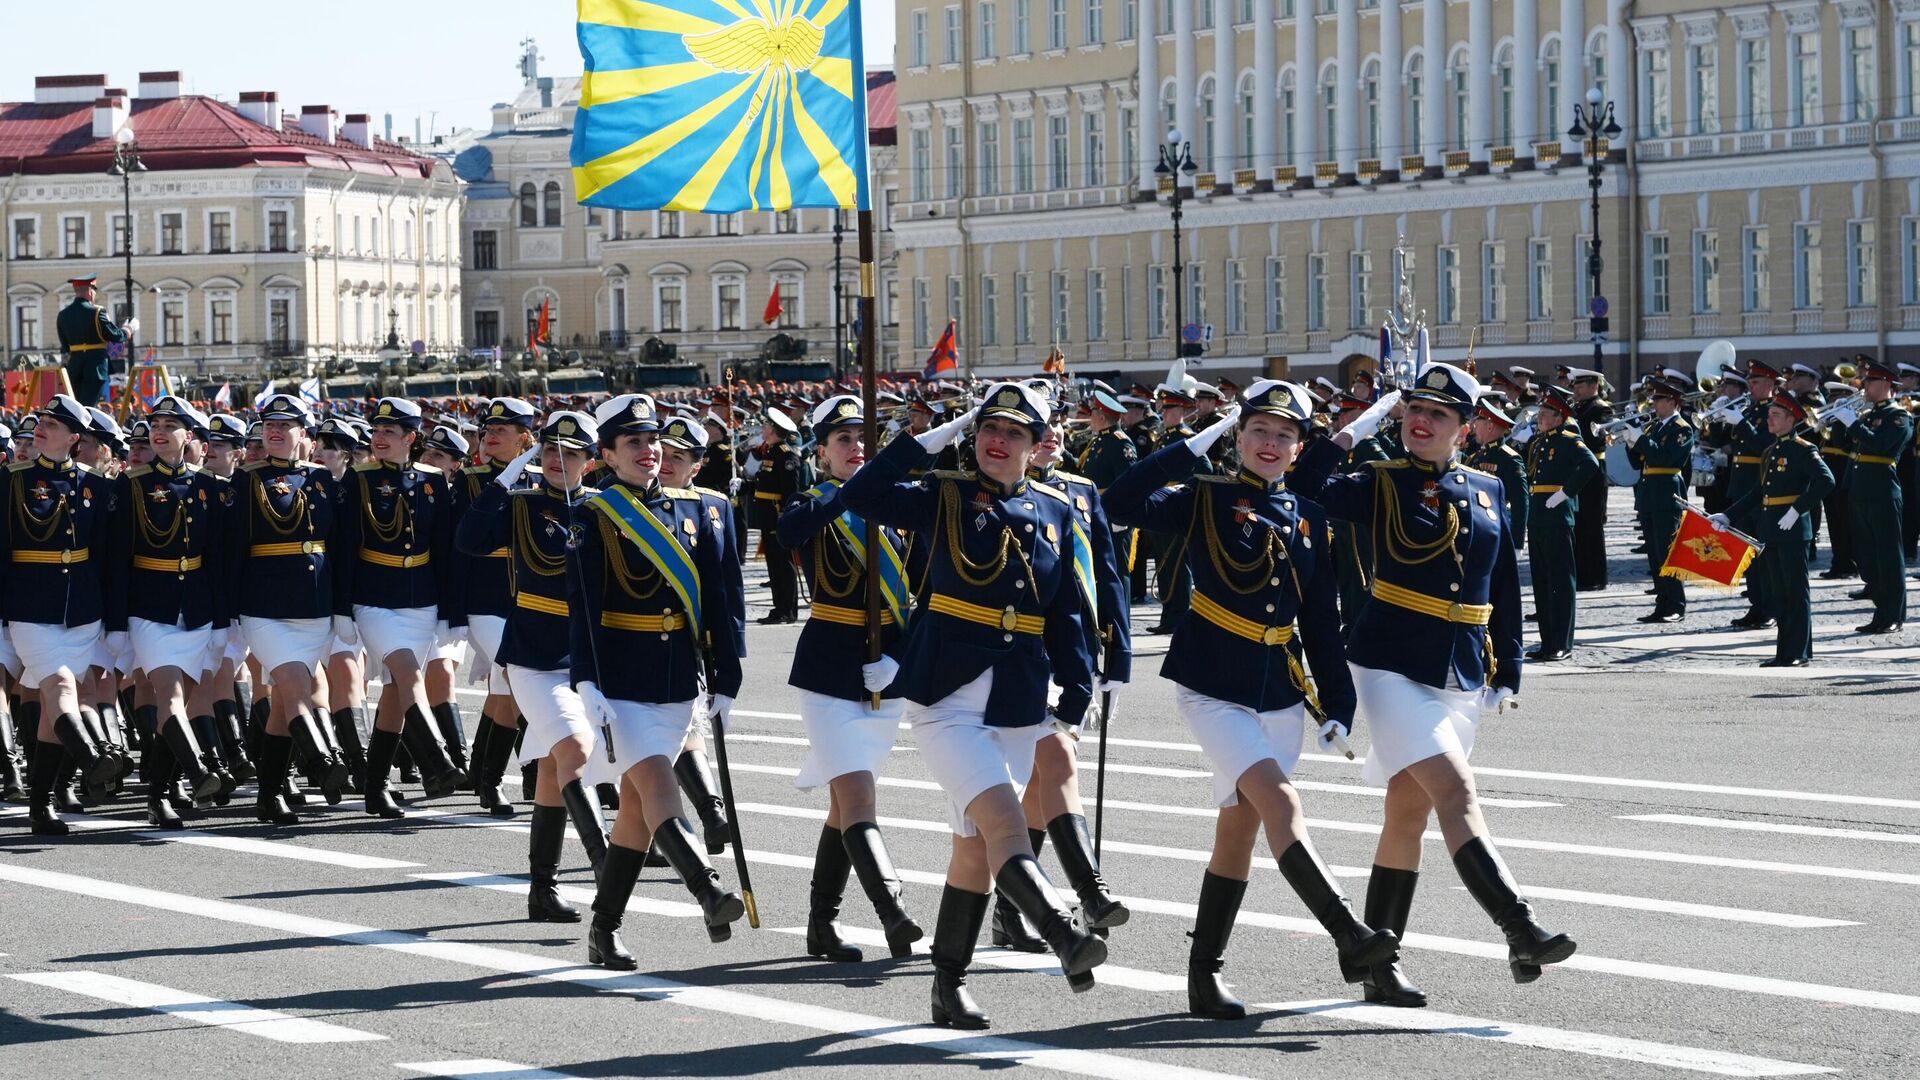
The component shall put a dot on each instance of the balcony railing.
(286, 347)
(615, 339)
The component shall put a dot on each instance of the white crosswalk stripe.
(232, 1015)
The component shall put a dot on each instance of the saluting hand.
(510, 475)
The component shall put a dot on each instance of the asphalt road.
(1737, 852)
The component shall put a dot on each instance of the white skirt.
(157, 645)
(448, 647)
(552, 709)
(845, 737)
(236, 649)
(279, 642)
(486, 632)
(968, 758)
(1409, 722)
(386, 631)
(641, 730)
(9, 657)
(338, 647)
(1235, 738)
(47, 650)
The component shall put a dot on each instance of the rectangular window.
(922, 316)
(26, 325)
(1156, 302)
(1096, 146)
(1446, 306)
(728, 299)
(1582, 276)
(173, 322)
(1807, 291)
(1057, 306)
(890, 300)
(1704, 61)
(1129, 19)
(73, 237)
(122, 240)
(1204, 14)
(486, 329)
(1861, 283)
(1539, 280)
(1091, 30)
(990, 158)
(917, 38)
(955, 298)
(486, 249)
(1196, 313)
(1860, 85)
(669, 225)
(277, 230)
(1493, 281)
(1023, 153)
(726, 224)
(956, 166)
(26, 238)
(983, 44)
(1236, 281)
(1910, 260)
(1022, 27)
(1360, 296)
(1129, 145)
(1316, 292)
(172, 228)
(989, 311)
(220, 312)
(1057, 142)
(1706, 272)
(670, 298)
(1659, 275)
(1655, 86)
(1753, 268)
(1056, 24)
(1276, 295)
(1023, 308)
(1910, 51)
(1806, 79)
(1096, 305)
(950, 36)
(1755, 89)
(921, 150)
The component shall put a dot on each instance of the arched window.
(1245, 97)
(1597, 66)
(1551, 122)
(529, 206)
(1203, 111)
(1457, 86)
(551, 209)
(1503, 104)
(1330, 147)
(1289, 111)
(1370, 104)
(1416, 82)
(1170, 111)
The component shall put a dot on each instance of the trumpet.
(1846, 372)
(1851, 405)
(1732, 410)
(1633, 419)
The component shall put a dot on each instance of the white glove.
(599, 709)
(119, 642)
(722, 713)
(1108, 686)
(1556, 500)
(752, 467)
(937, 439)
(1071, 731)
(132, 326)
(344, 629)
(451, 634)
(1203, 442)
(480, 670)
(1633, 435)
(879, 675)
(1492, 698)
(1521, 435)
(1847, 417)
(1329, 729)
(1369, 422)
(1720, 522)
(510, 475)
(1787, 519)
(734, 485)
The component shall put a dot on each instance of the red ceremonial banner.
(1702, 553)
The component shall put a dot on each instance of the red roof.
(183, 133)
(881, 91)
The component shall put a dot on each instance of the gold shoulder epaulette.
(1389, 463)
(710, 491)
(1046, 489)
(1510, 450)
(367, 466)
(137, 470)
(1072, 477)
(1211, 478)
(680, 493)
(84, 469)
(19, 466)
(1464, 467)
(430, 470)
(254, 466)
(951, 474)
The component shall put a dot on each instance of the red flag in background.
(543, 331)
(774, 307)
(944, 356)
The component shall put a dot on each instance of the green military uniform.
(1836, 446)
(1558, 462)
(1504, 460)
(1590, 522)
(1107, 457)
(1661, 454)
(1793, 478)
(1747, 443)
(85, 332)
(1882, 434)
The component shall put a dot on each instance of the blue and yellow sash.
(893, 570)
(656, 541)
(1083, 571)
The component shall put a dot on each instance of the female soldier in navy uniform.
(849, 736)
(444, 448)
(1263, 576)
(345, 671)
(56, 515)
(539, 527)
(1009, 577)
(654, 608)
(394, 542)
(1436, 649)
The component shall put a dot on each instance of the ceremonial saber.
(1100, 774)
(869, 404)
(719, 726)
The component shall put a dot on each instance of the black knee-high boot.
(43, 777)
(1360, 946)
(619, 871)
(97, 771)
(696, 779)
(1027, 885)
(955, 931)
(380, 751)
(178, 735)
(1074, 845)
(831, 866)
(476, 764)
(346, 733)
(233, 740)
(13, 767)
(453, 732)
(878, 879)
(437, 772)
(158, 768)
(144, 719)
(1207, 994)
(1529, 946)
(276, 755)
(1389, 903)
(491, 751)
(588, 824)
(1009, 928)
(548, 832)
(328, 765)
(207, 734)
(674, 839)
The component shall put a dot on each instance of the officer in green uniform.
(1748, 443)
(1496, 455)
(1836, 446)
(85, 332)
(1109, 453)
(1661, 450)
(1559, 464)
(1793, 480)
(1879, 435)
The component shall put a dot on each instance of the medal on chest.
(279, 486)
(386, 490)
(1243, 513)
(41, 491)
(982, 510)
(158, 496)
(1430, 495)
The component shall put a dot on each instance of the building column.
(1151, 129)
(1266, 88)
(1573, 71)
(1433, 51)
(1306, 77)
(1346, 95)
(1393, 56)
(1226, 95)
(1622, 86)
(1186, 76)
(1479, 79)
(1526, 78)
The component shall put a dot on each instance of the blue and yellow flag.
(718, 106)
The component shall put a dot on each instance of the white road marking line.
(1681, 907)
(1776, 827)
(1044, 964)
(481, 1069)
(1525, 774)
(1544, 1038)
(762, 1008)
(266, 1023)
(279, 849)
